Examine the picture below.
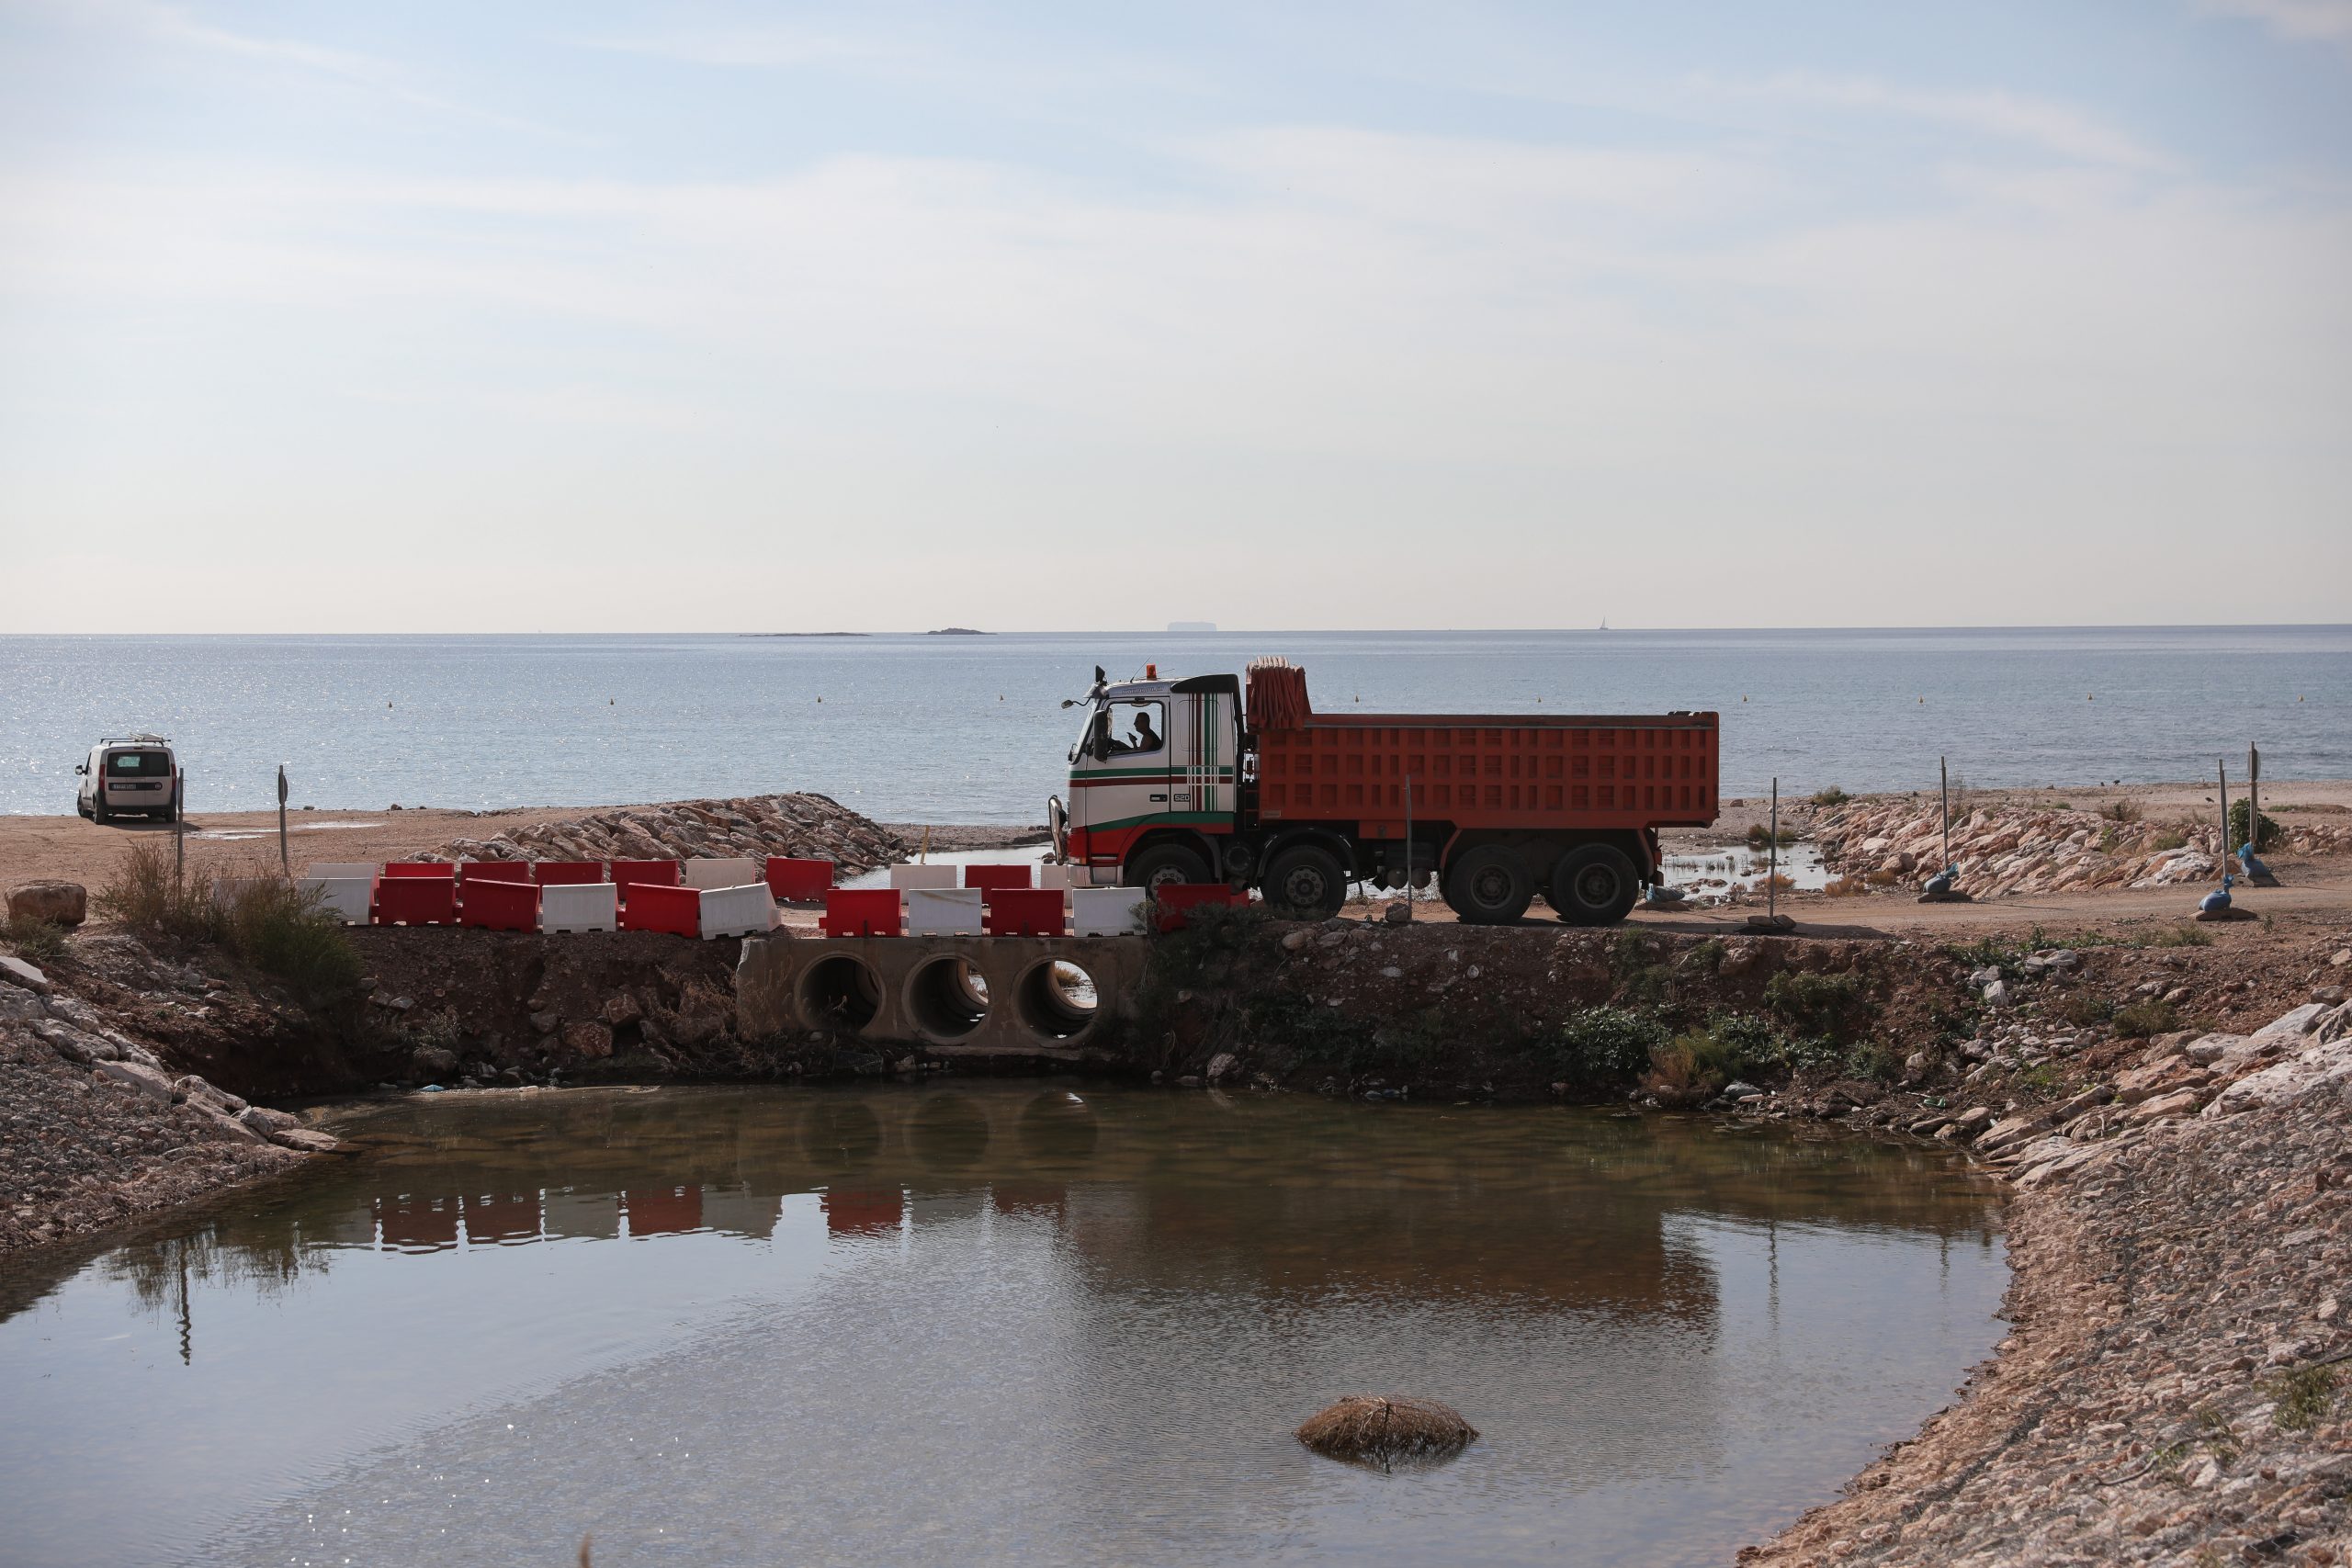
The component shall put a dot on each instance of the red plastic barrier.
(416, 901)
(1024, 911)
(499, 905)
(995, 876)
(799, 881)
(872, 911)
(1176, 898)
(494, 871)
(628, 874)
(432, 868)
(568, 873)
(652, 906)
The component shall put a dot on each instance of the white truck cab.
(1154, 756)
(137, 775)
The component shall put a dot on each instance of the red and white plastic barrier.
(579, 906)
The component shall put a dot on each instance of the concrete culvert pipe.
(840, 992)
(947, 998)
(1386, 1431)
(1056, 999)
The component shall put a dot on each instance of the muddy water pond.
(988, 1323)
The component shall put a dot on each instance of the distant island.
(1191, 625)
(957, 631)
(808, 634)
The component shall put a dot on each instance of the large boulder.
(59, 903)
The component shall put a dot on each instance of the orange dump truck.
(1182, 780)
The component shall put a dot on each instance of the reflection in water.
(1673, 1332)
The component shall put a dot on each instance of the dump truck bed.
(1491, 771)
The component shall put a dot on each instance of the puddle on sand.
(990, 1322)
(1716, 872)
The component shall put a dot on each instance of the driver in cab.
(1144, 739)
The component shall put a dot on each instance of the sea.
(945, 729)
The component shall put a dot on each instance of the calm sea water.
(969, 729)
(990, 1323)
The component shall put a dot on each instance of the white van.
(138, 774)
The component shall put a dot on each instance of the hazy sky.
(599, 316)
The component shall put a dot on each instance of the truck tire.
(1488, 886)
(1305, 883)
(1594, 884)
(1163, 863)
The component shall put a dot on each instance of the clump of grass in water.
(1760, 837)
(1384, 1430)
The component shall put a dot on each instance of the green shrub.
(1706, 957)
(2123, 809)
(1605, 1046)
(2305, 1397)
(2082, 1010)
(1760, 837)
(286, 931)
(1833, 796)
(36, 941)
(2170, 838)
(2273, 835)
(1813, 1004)
(2145, 1018)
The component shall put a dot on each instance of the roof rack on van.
(140, 739)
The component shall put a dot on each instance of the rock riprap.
(1900, 844)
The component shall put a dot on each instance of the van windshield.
(149, 764)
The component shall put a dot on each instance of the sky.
(597, 316)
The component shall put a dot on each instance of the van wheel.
(1305, 883)
(1594, 886)
(1488, 886)
(1163, 863)
(98, 812)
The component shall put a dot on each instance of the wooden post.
(1408, 846)
(1772, 865)
(1943, 788)
(2222, 770)
(2254, 797)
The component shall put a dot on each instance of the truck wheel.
(1488, 886)
(1305, 883)
(1594, 886)
(1164, 863)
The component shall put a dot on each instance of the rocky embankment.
(96, 1127)
(2175, 1386)
(812, 826)
(1883, 842)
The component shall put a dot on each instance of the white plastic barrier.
(715, 874)
(906, 876)
(1053, 876)
(346, 898)
(1108, 911)
(746, 910)
(580, 906)
(945, 911)
(323, 869)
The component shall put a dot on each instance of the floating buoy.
(821, 699)
(2090, 697)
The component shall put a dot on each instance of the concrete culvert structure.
(947, 998)
(840, 992)
(1386, 1431)
(1057, 998)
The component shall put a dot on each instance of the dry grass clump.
(1385, 1430)
(1846, 887)
(2122, 808)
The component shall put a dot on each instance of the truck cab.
(134, 775)
(1154, 781)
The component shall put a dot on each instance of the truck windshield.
(148, 764)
